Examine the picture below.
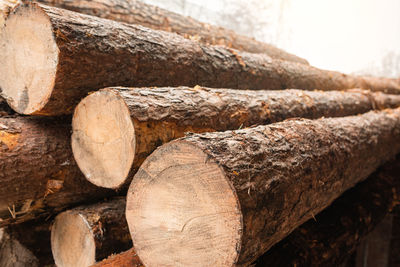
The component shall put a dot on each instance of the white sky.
(344, 35)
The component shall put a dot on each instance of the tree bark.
(137, 12)
(157, 116)
(335, 233)
(128, 258)
(82, 53)
(102, 226)
(230, 196)
(38, 173)
(13, 254)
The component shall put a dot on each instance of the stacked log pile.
(130, 148)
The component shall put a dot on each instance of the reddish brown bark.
(38, 173)
(163, 114)
(128, 258)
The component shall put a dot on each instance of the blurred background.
(357, 36)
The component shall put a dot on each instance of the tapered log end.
(72, 241)
(103, 138)
(181, 204)
(29, 58)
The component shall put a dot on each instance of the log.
(330, 237)
(223, 199)
(87, 234)
(117, 126)
(334, 234)
(128, 258)
(54, 57)
(38, 173)
(137, 12)
(13, 254)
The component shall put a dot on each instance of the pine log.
(117, 126)
(54, 57)
(223, 199)
(334, 234)
(128, 258)
(87, 234)
(137, 12)
(13, 254)
(330, 237)
(38, 175)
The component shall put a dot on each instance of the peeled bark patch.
(87, 234)
(63, 55)
(237, 193)
(115, 127)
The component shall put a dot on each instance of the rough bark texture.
(163, 114)
(13, 254)
(137, 12)
(35, 236)
(286, 173)
(335, 233)
(38, 174)
(96, 53)
(128, 258)
(107, 224)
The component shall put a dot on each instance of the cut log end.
(29, 58)
(103, 139)
(72, 242)
(181, 204)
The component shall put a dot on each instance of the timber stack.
(156, 140)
